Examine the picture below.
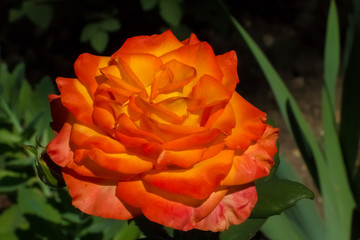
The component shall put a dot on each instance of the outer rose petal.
(250, 124)
(155, 44)
(233, 209)
(87, 69)
(59, 113)
(228, 65)
(255, 162)
(216, 213)
(97, 197)
(59, 149)
(75, 97)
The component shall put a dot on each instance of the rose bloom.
(158, 129)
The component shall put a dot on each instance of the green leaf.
(171, 11)
(88, 31)
(148, 5)
(39, 14)
(8, 137)
(276, 196)
(281, 227)
(32, 201)
(11, 181)
(128, 232)
(99, 41)
(332, 53)
(15, 14)
(12, 219)
(23, 99)
(244, 231)
(109, 227)
(110, 25)
(8, 236)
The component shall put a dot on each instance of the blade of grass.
(337, 172)
(288, 230)
(332, 53)
(305, 213)
(285, 102)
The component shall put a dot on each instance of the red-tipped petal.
(59, 148)
(97, 197)
(234, 208)
(255, 162)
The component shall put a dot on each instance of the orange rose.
(158, 129)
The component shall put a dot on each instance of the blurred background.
(41, 39)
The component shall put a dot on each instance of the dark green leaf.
(128, 232)
(276, 196)
(23, 99)
(244, 231)
(88, 31)
(171, 11)
(109, 227)
(11, 181)
(39, 14)
(99, 41)
(148, 5)
(32, 201)
(15, 14)
(110, 25)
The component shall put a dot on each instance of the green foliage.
(38, 13)
(325, 160)
(97, 33)
(277, 196)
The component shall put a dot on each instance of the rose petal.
(59, 149)
(97, 197)
(119, 162)
(233, 209)
(255, 162)
(250, 124)
(59, 113)
(155, 44)
(76, 98)
(208, 92)
(93, 138)
(197, 182)
(87, 70)
(192, 141)
(215, 213)
(143, 66)
(228, 65)
(200, 56)
(191, 40)
(184, 158)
